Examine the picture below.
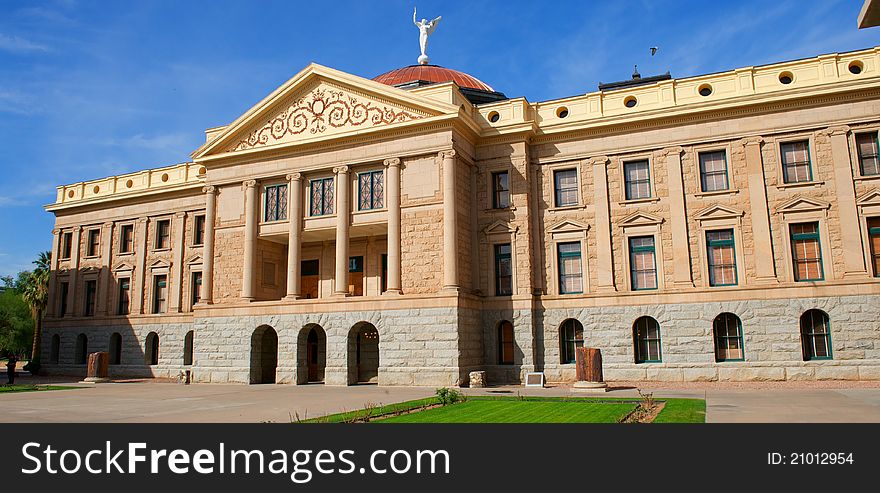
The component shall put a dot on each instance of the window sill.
(365, 211)
(511, 208)
(166, 249)
(197, 245)
(866, 178)
(91, 257)
(566, 208)
(714, 193)
(646, 200)
(124, 254)
(800, 184)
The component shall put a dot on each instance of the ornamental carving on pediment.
(319, 110)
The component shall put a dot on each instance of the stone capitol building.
(414, 227)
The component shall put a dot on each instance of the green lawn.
(31, 388)
(519, 411)
(682, 411)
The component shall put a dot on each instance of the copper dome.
(431, 74)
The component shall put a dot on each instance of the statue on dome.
(425, 30)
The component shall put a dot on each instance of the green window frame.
(90, 298)
(565, 183)
(356, 264)
(640, 247)
(163, 234)
(123, 306)
(160, 293)
(500, 190)
(802, 235)
(321, 197)
(637, 179)
(503, 270)
(371, 190)
(275, 203)
(867, 147)
(571, 269)
(126, 239)
(727, 330)
(94, 243)
(646, 338)
(199, 230)
(195, 288)
(721, 258)
(874, 240)
(571, 337)
(713, 171)
(796, 165)
(816, 335)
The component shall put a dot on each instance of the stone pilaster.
(604, 255)
(853, 255)
(392, 195)
(250, 240)
(294, 234)
(74, 272)
(765, 268)
(450, 223)
(343, 211)
(104, 292)
(138, 283)
(207, 295)
(681, 257)
(178, 228)
(52, 306)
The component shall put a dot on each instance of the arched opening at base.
(311, 354)
(363, 354)
(264, 355)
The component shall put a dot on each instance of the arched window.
(81, 351)
(646, 336)
(571, 336)
(115, 348)
(188, 348)
(727, 329)
(815, 335)
(151, 349)
(55, 349)
(505, 343)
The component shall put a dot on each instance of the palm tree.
(36, 293)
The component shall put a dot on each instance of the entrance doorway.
(363, 354)
(264, 355)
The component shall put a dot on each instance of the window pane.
(867, 150)
(570, 268)
(638, 180)
(796, 161)
(566, 187)
(713, 171)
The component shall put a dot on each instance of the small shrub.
(449, 396)
(647, 399)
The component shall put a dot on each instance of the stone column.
(178, 230)
(138, 283)
(604, 255)
(52, 305)
(207, 295)
(294, 234)
(392, 195)
(765, 268)
(850, 230)
(343, 199)
(250, 240)
(450, 223)
(681, 273)
(74, 272)
(103, 294)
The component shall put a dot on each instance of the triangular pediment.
(194, 260)
(123, 266)
(870, 198)
(568, 226)
(499, 227)
(641, 219)
(160, 264)
(321, 103)
(803, 204)
(718, 212)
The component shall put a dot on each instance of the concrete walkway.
(150, 401)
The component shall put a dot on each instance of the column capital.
(249, 183)
(598, 160)
(756, 140)
(108, 224)
(449, 153)
(676, 150)
(394, 161)
(837, 130)
(56, 231)
(209, 189)
(294, 177)
(340, 170)
(143, 220)
(180, 215)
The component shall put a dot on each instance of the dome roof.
(431, 74)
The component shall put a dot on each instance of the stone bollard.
(477, 379)
(98, 368)
(588, 362)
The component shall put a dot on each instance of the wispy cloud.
(19, 45)
(18, 103)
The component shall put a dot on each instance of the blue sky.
(89, 89)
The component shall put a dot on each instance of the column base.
(247, 299)
(344, 294)
(856, 274)
(451, 289)
(767, 280)
(291, 297)
(392, 292)
(683, 284)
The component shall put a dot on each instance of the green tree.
(16, 324)
(36, 294)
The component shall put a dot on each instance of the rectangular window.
(126, 238)
(276, 203)
(321, 201)
(91, 295)
(869, 164)
(643, 263)
(356, 276)
(637, 175)
(65, 291)
(722, 258)
(566, 184)
(806, 252)
(195, 288)
(713, 171)
(160, 293)
(199, 230)
(874, 239)
(94, 243)
(796, 161)
(163, 234)
(571, 278)
(309, 276)
(124, 303)
(371, 190)
(503, 271)
(501, 190)
(66, 245)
